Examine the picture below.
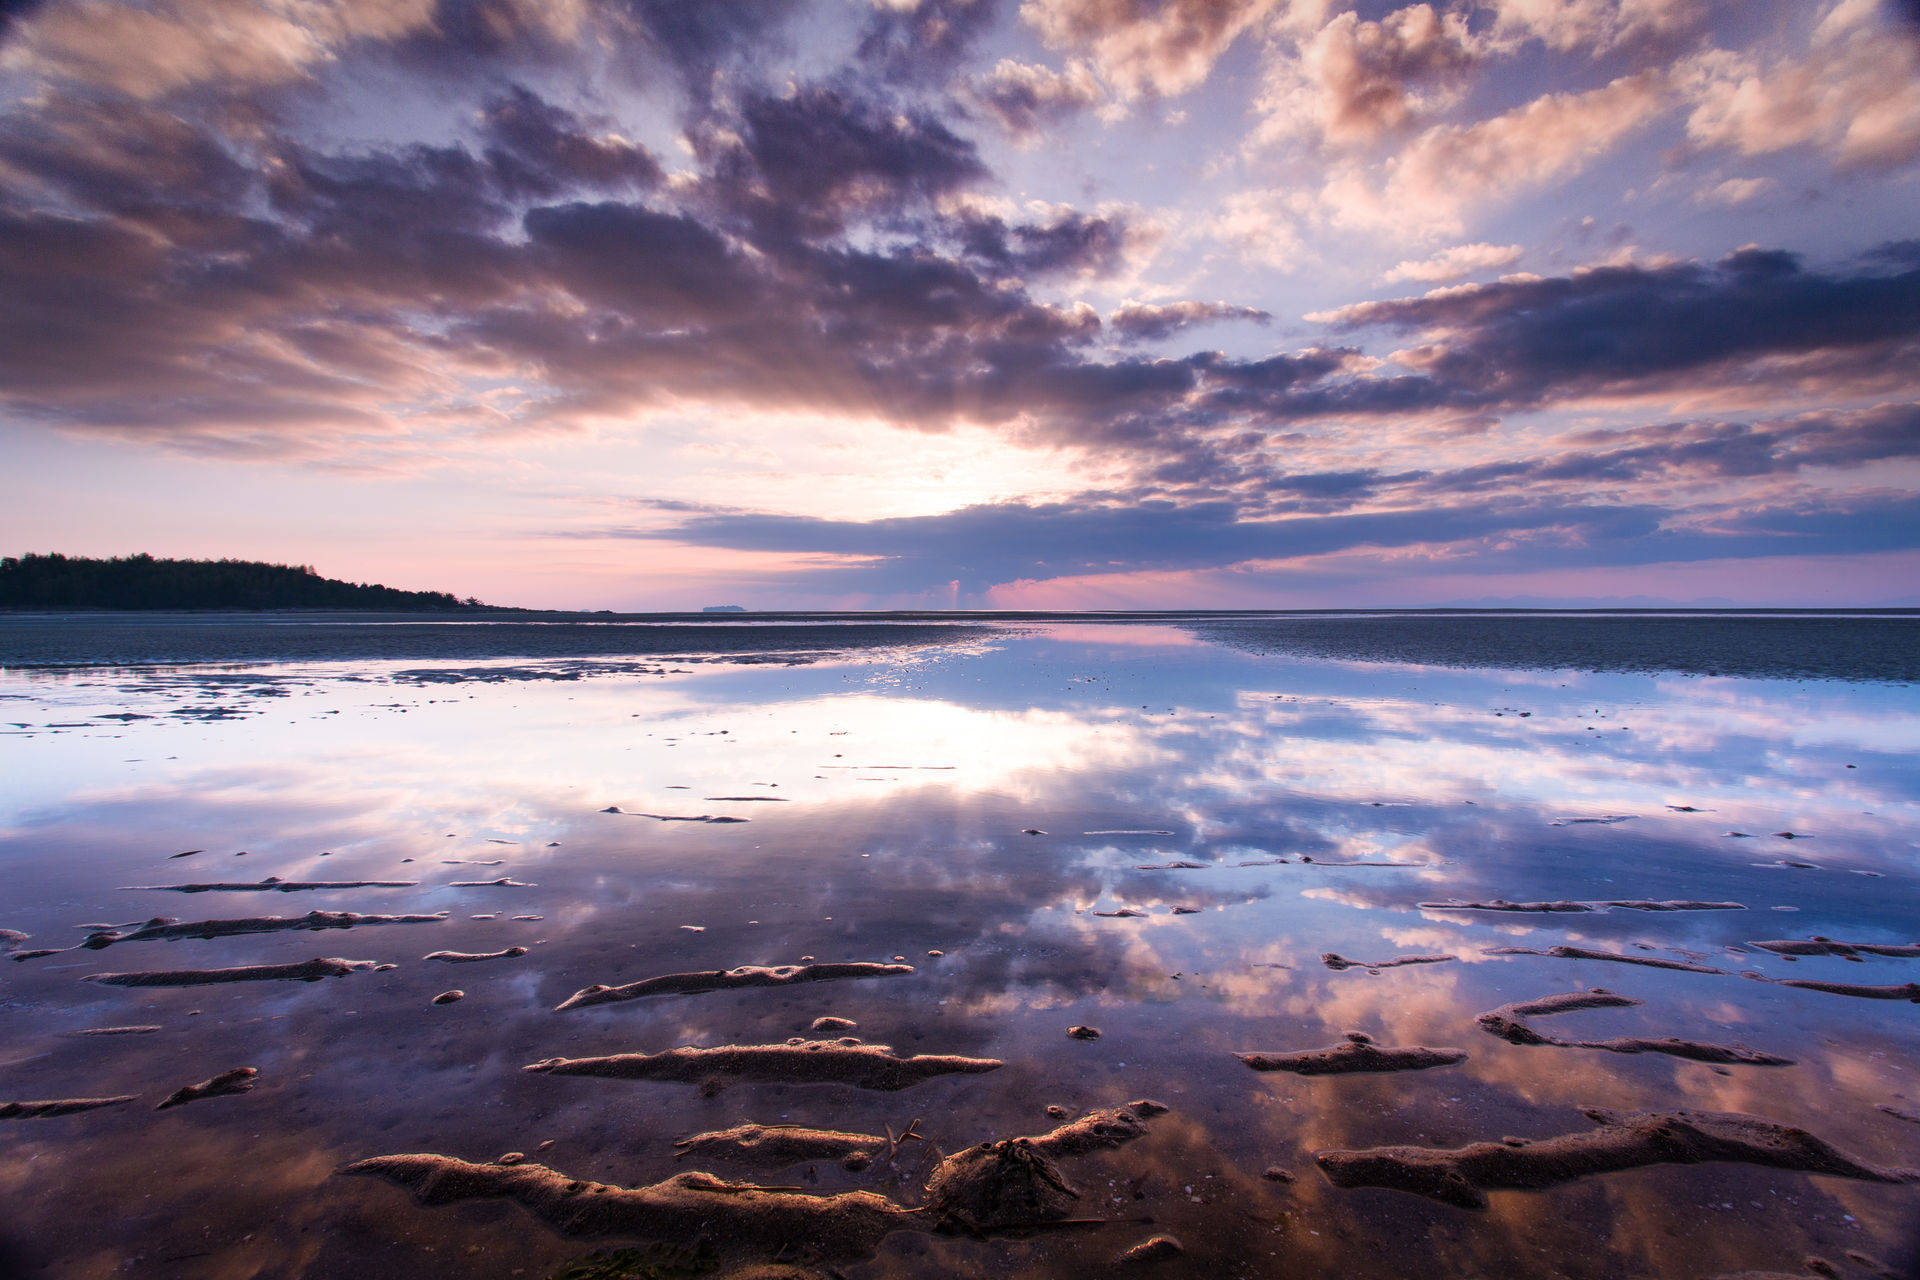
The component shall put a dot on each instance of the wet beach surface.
(1328, 845)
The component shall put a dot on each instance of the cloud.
(986, 545)
(1442, 173)
(1143, 48)
(1854, 95)
(1025, 98)
(1147, 322)
(1457, 263)
(1756, 317)
(149, 51)
(1355, 82)
(1597, 25)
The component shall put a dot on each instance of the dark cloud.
(538, 150)
(1025, 99)
(983, 546)
(1074, 243)
(1527, 341)
(688, 44)
(1147, 322)
(924, 43)
(827, 154)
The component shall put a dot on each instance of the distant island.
(142, 582)
(724, 608)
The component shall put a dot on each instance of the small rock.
(1035, 831)
(1057, 1112)
(936, 953)
(448, 997)
(834, 1024)
(512, 1157)
(1274, 1173)
(1083, 1033)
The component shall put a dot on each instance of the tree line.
(56, 581)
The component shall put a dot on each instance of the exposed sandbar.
(1358, 1054)
(1587, 953)
(112, 1031)
(1818, 946)
(864, 1066)
(1009, 1184)
(775, 1146)
(747, 975)
(1017, 1182)
(304, 971)
(10, 940)
(504, 882)
(1899, 1113)
(473, 957)
(1511, 1023)
(1637, 904)
(172, 930)
(226, 1084)
(685, 1209)
(1171, 866)
(272, 884)
(1625, 1140)
(58, 1107)
(1335, 961)
(1909, 991)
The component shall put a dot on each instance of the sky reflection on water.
(897, 786)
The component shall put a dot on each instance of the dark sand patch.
(1585, 953)
(785, 975)
(1625, 1140)
(273, 884)
(474, 957)
(1818, 946)
(1083, 1033)
(1510, 1023)
(1335, 961)
(775, 1146)
(305, 971)
(59, 1107)
(226, 1084)
(1899, 1113)
(864, 1066)
(1358, 1054)
(172, 930)
(112, 1031)
(1501, 904)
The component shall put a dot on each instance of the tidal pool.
(1155, 828)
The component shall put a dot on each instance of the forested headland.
(142, 582)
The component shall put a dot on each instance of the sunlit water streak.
(897, 788)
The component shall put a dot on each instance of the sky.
(1075, 304)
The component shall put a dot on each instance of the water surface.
(889, 776)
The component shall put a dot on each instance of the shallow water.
(894, 775)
